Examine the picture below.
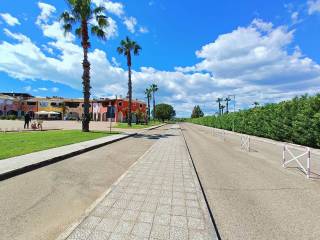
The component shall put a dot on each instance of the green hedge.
(296, 121)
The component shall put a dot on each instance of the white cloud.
(313, 6)
(253, 62)
(46, 12)
(116, 8)
(130, 23)
(112, 29)
(115, 62)
(295, 17)
(143, 30)
(43, 89)
(47, 49)
(9, 19)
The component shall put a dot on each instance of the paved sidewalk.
(158, 199)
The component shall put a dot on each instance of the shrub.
(296, 121)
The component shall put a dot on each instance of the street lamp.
(234, 108)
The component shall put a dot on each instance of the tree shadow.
(153, 136)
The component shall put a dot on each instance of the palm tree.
(256, 104)
(148, 93)
(125, 48)
(153, 89)
(227, 100)
(219, 100)
(84, 16)
(222, 107)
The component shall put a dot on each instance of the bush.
(296, 121)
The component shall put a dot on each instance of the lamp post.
(234, 109)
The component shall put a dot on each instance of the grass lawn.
(19, 143)
(137, 126)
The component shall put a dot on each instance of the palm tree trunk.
(148, 107)
(154, 106)
(130, 96)
(85, 77)
(227, 107)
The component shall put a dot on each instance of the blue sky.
(196, 51)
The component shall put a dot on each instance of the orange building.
(103, 109)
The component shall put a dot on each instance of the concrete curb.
(34, 166)
(31, 167)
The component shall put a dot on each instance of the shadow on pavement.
(154, 136)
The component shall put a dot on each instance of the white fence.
(245, 143)
(302, 159)
(292, 153)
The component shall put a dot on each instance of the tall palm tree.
(148, 93)
(84, 16)
(219, 100)
(222, 107)
(227, 100)
(256, 104)
(154, 88)
(125, 48)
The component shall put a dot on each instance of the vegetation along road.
(250, 194)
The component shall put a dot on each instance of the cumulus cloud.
(256, 62)
(130, 23)
(9, 19)
(46, 12)
(116, 8)
(313, 6)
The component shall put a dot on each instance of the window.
(140, 105)
(43, 104)
(120, 104)
(56, 104)
(31, 103)
(72, 104)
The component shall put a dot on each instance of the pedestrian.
(27, 120)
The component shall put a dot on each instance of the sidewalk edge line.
(202, 189)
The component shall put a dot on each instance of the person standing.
(27, 120)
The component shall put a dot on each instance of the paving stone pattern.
(158, 199)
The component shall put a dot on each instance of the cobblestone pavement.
(158, 199)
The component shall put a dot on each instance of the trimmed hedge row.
(296, 121)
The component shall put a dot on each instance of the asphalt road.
(41, 204)
(250, 194)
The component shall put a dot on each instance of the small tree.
(197, 112)
(164, 112)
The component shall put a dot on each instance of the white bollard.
(308, 162)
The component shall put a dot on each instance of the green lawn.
(137, 126)
(15, 144)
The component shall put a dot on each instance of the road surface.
(250, 194)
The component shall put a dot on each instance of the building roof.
(7, 97)
(24, 95)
